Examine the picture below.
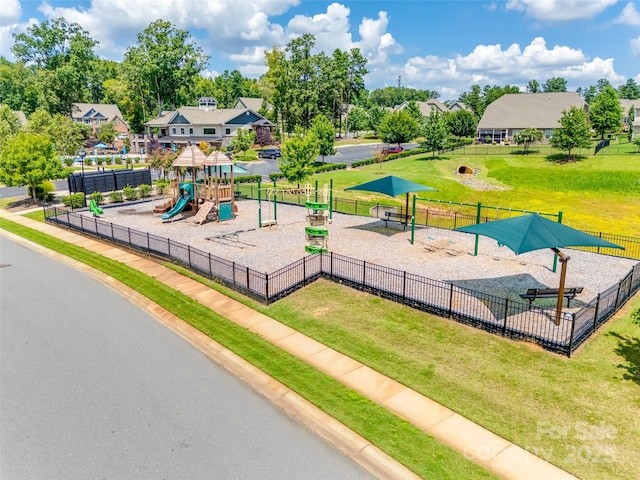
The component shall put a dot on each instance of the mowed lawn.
(598, 194)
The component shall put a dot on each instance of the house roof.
(626, 104)
(529, 110)
(254, 104)
(96, 110)
(426, 107)
(198, 116)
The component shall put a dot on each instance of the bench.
(395, 217)
(533, 293)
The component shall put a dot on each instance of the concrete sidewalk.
(476, 443)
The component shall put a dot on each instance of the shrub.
(44, 191)
(116, 196)
(68, 162)
(88, 162)
(74, 201)
(108, 160)
(276, 176)
(328, 167)
(130, 193)
(118, 161)
(97, 197)
(144, 190)
(635, 316)
(248, 179)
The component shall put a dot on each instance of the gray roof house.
(516, 111)
(426, 107)
(251, 103)
(458, 106)
(95, 114)
(203, 123)
(627, 105)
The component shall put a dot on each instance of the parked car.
(388, 150)
(272, 153)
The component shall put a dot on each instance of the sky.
(445, 46)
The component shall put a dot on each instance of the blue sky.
(439, 45)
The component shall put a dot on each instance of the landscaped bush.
(144, 190)
(108, 160)
(328, 167)
(88, 162)
(68, 162)
(74, 201)
(247, 179)
(276, 176)
(116, 196)
(118, 161)
(44, 191)
(130, 193)
(97, 197)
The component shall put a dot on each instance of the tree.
(473, 100)
(263, 137)
(573, 132)
(588, 93)
(533, 86)
(527, 136)
(65, 135)
(461, 123)
(636, 142)
(630, 90)
(243, 140)
(63, 55)
(398, 127)
(555, 84)
(298, 156)
(435, 133)
(375, 114)
(324, 132)
(358, 120)
(414, 111)
(107, 133)
(606, 112)
(9, 123)
(164, 65)
(29, 159)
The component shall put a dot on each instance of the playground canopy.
(190, 157)
(532, 232)
(100, 145)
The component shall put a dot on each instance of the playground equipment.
(316, 231)
(212, 196)
(186, 196)
(95, 208)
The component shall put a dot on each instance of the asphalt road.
(93, 387)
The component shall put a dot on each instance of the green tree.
(636, 142)
(29, 159)
(107, 133)
(461, 123)
(375, 114)
(630, 90)
(64, 134)
(298, 156)
(243, 140)
(605, 111)
(573, 132)
(358, 120)
(324, 132)
(528, 136)
(9, 123)
(533, 86)
(164, 64)
(398, 127)
(63, 55)
(435, 133)
(473, 100)
(554, 84)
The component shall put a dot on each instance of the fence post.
(331, 264)
(82, 224)
(478, 215)
(189, 255)
(506, 313)
(148, 245)
(129, 236)
(615, 308)
(404, 286)
(248, 279)
(210, 271)
(573, 328)
(595, 315)
(364, 272)
(266, 287)
(450, 299)
(169, 247)
(304, 271)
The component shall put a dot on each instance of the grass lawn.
(401, 440)
(598, 193)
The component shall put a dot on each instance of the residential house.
(516, 111)
(426, 107)
(628, 105)
(96, 114)
(217, 126)
(459, 106)
(254, 104)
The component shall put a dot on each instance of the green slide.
(95, 208)
(186, 195)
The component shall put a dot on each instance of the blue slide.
(186, 195)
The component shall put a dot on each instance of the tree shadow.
(628, 348)
(562, 158)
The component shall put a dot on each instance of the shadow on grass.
(524, 152)
(629, 348)
(564, 158)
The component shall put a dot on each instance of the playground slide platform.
(178, 207)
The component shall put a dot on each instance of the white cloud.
(635, 46)
(10, 12)
(376, 43)
(495, 65)
(490, 7)
(560, 10)
(629, 15)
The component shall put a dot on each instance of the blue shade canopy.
(392, 186)
(533, 232)
(100, 145)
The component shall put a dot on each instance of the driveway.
(93, 387)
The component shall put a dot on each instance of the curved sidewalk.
(476, 443)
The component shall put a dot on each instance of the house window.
(173, 131)
(548, 133)
(227, 131)
(209, 131)
(116, 122)
(191, 131)
(182, 131)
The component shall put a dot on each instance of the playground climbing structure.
(316, 230)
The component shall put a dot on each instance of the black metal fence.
(502, 316)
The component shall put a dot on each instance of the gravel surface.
(436, 253)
